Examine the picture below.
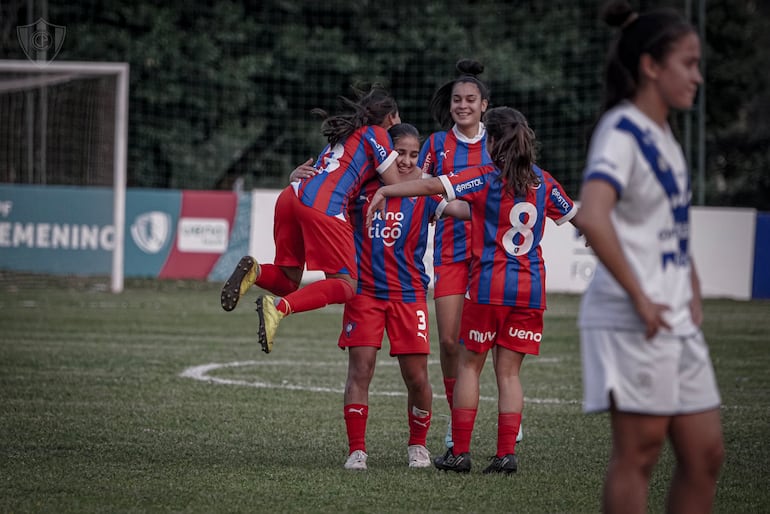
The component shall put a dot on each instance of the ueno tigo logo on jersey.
(150, 231)
(472, 184)
(379, 147)
(388, 230)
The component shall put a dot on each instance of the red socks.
(316, 295)
(507, 429)
(356, 415)
(419, 423)
(462, 428)
(272, 279)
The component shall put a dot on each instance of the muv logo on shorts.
(478, 336)
(520, 333)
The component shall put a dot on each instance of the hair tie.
(631, 18)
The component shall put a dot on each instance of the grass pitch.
(156, 400)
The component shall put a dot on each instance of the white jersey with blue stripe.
(646, 166)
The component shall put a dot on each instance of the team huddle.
(361, 211)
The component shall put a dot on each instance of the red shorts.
(517, 328)
(451, 279)
(306, 236)
(366, 319)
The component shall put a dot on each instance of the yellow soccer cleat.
(243, 277)
(269, 318)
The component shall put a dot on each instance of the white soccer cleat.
(356, 461)
(419, 456)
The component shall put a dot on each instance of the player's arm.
(304, 170)
(597, 200)
(390, 174)
(384, 155)
(456, 208)
(696, 305)
(577, 221)
(422, 187)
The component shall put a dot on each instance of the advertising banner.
(172, 234)
(69, 230)
(57, 230)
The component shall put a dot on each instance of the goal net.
(62, 124)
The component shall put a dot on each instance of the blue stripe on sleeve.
(600, 175)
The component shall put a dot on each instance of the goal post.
(23, 78)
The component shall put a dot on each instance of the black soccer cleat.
(506, 464)
(451, 462)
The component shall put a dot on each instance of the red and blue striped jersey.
(391, 251)
(345, 168)
(442, 154)
(507, 265)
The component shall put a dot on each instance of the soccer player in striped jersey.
(457, 107)
(311, 223)
(644, 356)
(507, 202)
(391, 297)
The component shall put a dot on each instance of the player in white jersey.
(644, 356)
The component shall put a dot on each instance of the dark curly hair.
(370, 108)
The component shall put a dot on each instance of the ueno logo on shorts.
(476, 182)
(520, 333)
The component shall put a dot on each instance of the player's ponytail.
(371, 108)
(469, 67)
(511, 144)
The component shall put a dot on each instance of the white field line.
(202, 373)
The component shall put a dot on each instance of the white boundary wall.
(722, 245)
(722, 242)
